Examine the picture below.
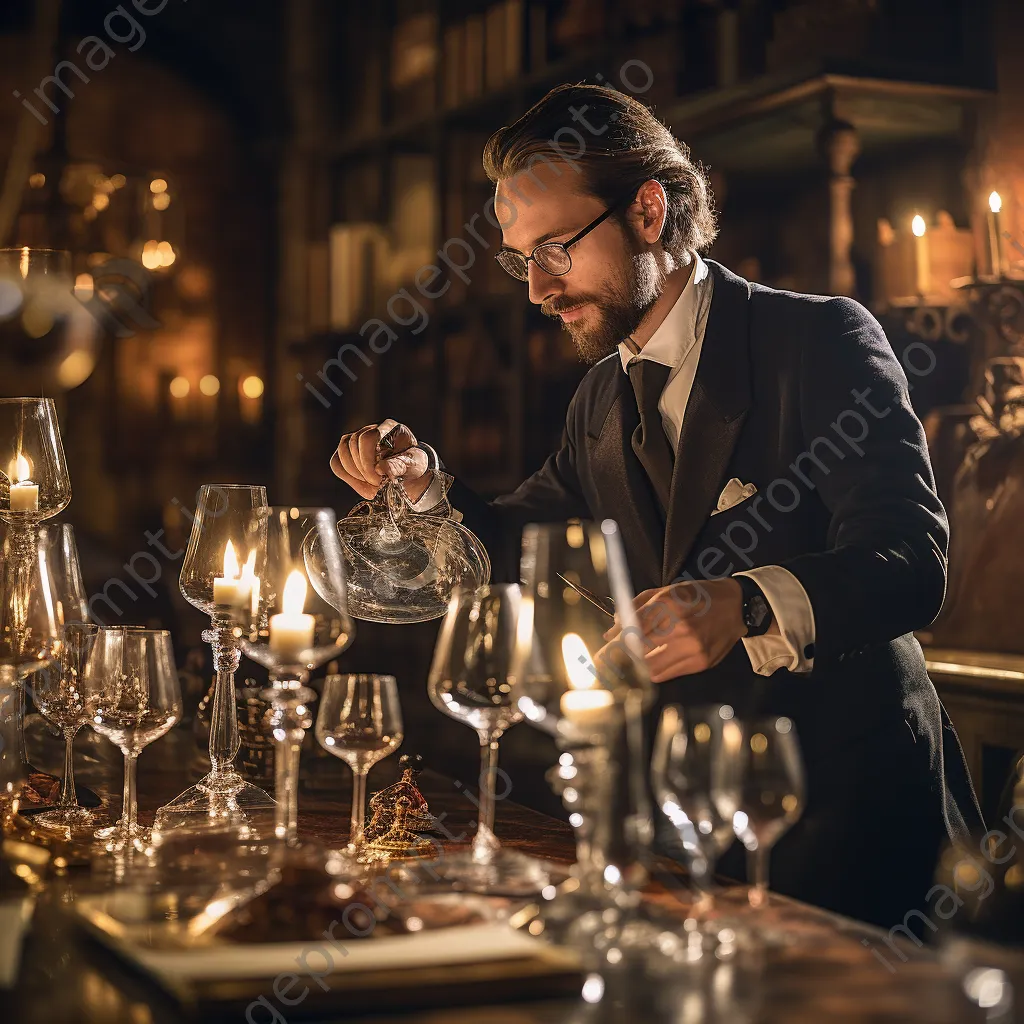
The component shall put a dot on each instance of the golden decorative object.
(383, 804)
(399, 843)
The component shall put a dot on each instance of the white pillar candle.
(584, 704)
(24, 493)
(235, 587)
(291, 631)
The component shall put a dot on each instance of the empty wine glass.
(470, 680)
(130, 686)
(57, 692)
(360, 721)
(682, 765)
(758, 785)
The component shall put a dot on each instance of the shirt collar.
(677, 333)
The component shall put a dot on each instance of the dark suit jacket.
(802, 396)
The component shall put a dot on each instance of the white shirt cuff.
(794, 647)
(430, 497)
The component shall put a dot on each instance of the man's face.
(614, 278)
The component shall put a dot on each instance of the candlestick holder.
(222, 576)
(590, 694)
(302, 623)
(34, 486)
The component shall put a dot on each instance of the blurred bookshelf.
(477, 371)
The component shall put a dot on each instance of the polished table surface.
(831, 972)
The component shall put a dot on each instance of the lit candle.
(291, 631)
(235, 587)
(923, 264)
(584, 704)
(995, 239)
(24, 493)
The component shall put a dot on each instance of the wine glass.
(131, 694)
(222, 575)
(360, 721)
(758, 785)
(302, 622)
(34, 481)
(57, 692)
(57, 546)
(590, 694)
(685, 747)
(470, 680)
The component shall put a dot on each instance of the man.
(760, 454)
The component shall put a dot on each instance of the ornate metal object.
(384, 804)
(399, 843)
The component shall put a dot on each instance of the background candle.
(585, 704)
(922, 261)
(995, 239)
(233, 588)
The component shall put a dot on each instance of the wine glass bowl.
(360, 722)
(34, 481)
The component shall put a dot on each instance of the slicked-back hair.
(623, 146)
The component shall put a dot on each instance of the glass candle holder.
(302, 623)
(222, 575)
(34, 481)
(590, 694)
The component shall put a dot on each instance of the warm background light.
(917, 225)
(157, 185)
(209, 385)
(995, 202)
(252, 387)
(180, 387)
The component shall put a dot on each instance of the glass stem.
(358, 806)
(129, 806)
(757, 874)
(484, 842)
(291, 719)
(224, 739)
(68, 796)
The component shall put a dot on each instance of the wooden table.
(831, 973)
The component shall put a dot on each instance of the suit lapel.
(714, 416)
(621, 481)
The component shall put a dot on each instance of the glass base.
(499, 873)
(70, 821)
(218, 801)
(117, 838)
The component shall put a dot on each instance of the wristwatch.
(757, 612)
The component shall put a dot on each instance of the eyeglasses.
(552, 257)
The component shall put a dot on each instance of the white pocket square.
(732, 494)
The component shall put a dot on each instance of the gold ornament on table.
(398, 843)
(384, 804)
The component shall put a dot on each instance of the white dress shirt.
(677, 343)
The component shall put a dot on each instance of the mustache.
(556, 307)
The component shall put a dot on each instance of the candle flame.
(917, 225)
(294, 593)
(230, 562)
(21, 469)
(995, 202)
(578, 664)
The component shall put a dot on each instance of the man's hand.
(689, 627)
(355, 460)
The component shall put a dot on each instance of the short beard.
(620, 311)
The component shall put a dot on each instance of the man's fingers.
(357, 483)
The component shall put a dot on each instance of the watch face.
(758, 609)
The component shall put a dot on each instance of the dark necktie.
(650, 444)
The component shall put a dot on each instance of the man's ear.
(649, 209)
